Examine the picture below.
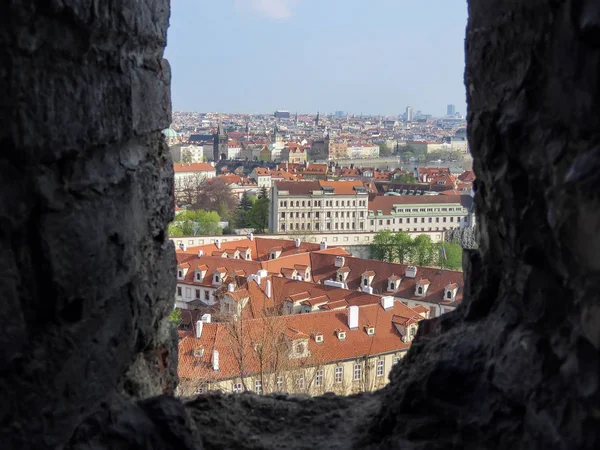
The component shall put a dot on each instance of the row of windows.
(337, 226)
(318, 214)
(428, 209)
(416, 220)
(197, 293)
(328, 203)
(338, 378)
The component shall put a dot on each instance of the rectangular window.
(388, 222)
(279, 383)
(206, 295)
(372, 222)
(317, 214)
(283, 215)
(258, 387)
(451, 219)
(380, 367)
(396, 359)
(319, 378)
(198, 293)
(237, 387)
(357, 371)
(422, 219)
(380, 222)
(430, 220)
(188, 292)
(179, 291)
(339, 374)
(444, 220)
(300, 383)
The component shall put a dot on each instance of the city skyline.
(307, 57)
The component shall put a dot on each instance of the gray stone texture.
(87, 276)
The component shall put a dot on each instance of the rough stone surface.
(85, 195)
(87, 277)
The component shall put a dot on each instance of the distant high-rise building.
(339, 114)
(409, 114)
(280, 114)
(451, 110)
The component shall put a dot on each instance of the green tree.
(403, 247)
(382, 247)
(384, 150)
(175, 317)
(195, 223)
(422, 251)
(186, 156)
(448, 255)
(241, 216)
(258, 216)
(405, 178)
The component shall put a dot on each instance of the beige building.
(318, 206)
(343, 351)
(293, 153)
(420, 213)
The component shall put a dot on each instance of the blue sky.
(361, 56)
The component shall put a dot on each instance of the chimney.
(250, 236)
(206, 318)
(181, 245)
(231, 287)
(339, 261)
(200, 253)
(411, 272)
(215, 360)
(199, 326)
(298, 242)
(323, 245)
(218, 243)
(387, 302)
(262, 273)
(353, 317)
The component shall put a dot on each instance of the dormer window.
(319, 338)
(180, 274)
(341, 277)
(299, 349)
(421, 288)
(198, 276)
(273, 256)
(341, 335)
(370, 330)
(450, 292)
(365, 281)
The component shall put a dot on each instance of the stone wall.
(85, 195)
(84, 90)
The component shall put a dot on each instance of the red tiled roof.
(193, 167)
(323, 268)
(267, 332)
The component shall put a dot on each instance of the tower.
(450, 110)
(220, 143)
(409, 114)
(317, 120)
(276, 135)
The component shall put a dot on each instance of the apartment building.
(419, 213)
(318, 206)
(343, 351)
